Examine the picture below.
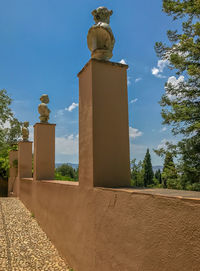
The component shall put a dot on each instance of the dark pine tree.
(148, 170)
(158, 176)
(181, 101)
(169, 174)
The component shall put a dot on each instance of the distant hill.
(157, 167)
(75, 166)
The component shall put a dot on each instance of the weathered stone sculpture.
(43, 109)
(100, 38)
(25, 131)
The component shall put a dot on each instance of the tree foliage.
(67, 171)
(137, 173)
(158, 176)
(10, 131)
(169, 174)
(148, 170)
(10, 127)
(181, 101)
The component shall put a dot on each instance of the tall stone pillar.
(25, 159)
(44, 151)
(12, 181)
(103, 125)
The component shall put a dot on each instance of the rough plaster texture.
(25, 159)
(13, 183)
(115, 229)
(103, 125)
(44, 151)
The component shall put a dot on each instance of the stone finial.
(43, 109)
(25, 131)
(100, 38)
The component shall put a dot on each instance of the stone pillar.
(44, 151)
(25, 159)
(12, 180)
(104, 158)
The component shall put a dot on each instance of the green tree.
(158, 176)
(190, 163)
(181, 101)
(10, 127)
(137, 172)
(10, 131)
(66, 170)
(148, 170)
(169, 174)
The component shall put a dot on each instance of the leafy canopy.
(10, 131)
(181, 101)
(10, 127)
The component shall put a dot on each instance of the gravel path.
(23, 245)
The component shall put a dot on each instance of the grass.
(32, 215)
(59, 177)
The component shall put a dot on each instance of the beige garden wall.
(116, 229)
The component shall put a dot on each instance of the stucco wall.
(115, 229)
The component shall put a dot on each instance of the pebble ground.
(23, 244)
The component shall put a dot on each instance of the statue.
(43, 109)
(25, 131)
(100, 38)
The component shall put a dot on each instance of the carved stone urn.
(25, 131)
(43, 109)
(100, 38)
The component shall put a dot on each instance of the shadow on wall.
(3, 188)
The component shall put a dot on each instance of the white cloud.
(67, 145)
(157, 71)
(176, 49)
(133, 101)
(175, 82)
(162, 64)
(70, 137)
(71, 107)
(59, 113)
(122, 61)
(133, 132)
(138, 79)
(5, 125)
(31, 132)
(163, 129)
(162, 144)
(129, 80)
(137, 150)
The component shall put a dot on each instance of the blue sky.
(44, 45)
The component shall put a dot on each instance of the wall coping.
(52, 181)
(158, 192)
(26, 179)
(154, 192)
(60, 182)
